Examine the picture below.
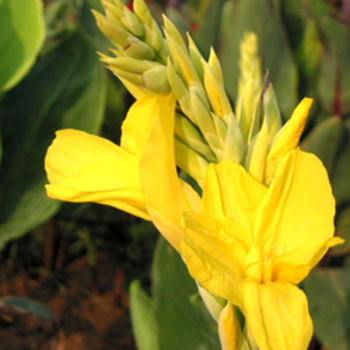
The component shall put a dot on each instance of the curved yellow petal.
(193, 197)
(172, 232)
(136, 90)
(229, 190)
(231, 337)
(138, 122)
(87, 168)
(215, 254)
(287, 138)
(161, 185)
(297, 214)
(277, 315)
(72, 149)
(295, 265)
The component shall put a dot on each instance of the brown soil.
(91, 307)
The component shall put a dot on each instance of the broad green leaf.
(326, 141)
(260, 17)
(143, 318)
(293, 18)
(22, 35)
(65, 89)
(308, 57)
(341, 174)
(183, 321)
(342, 230)
(334, 76)
(209, 25)
(320, 8)
(88, 21)
(328, 292)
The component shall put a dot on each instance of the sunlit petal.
(277, 315)
(213, 255)
(161, 185)
(88, 168)
(229, 190)
(298, 211)
(287, 138)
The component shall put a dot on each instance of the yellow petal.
(87, 168)
(297, 215)
(172, 232)
(161, 185)
(72, 149)
(213, 303)
(295, 265)
(138, 123)
(193, 197)
(214, 254)
(136, 90)
(287, 138)
(229, 190)
(277, 315)
(230, 333)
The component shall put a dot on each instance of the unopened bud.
(272, 113)
(156, 79)
(200, 110)
(131, 22)
(255, 162)
(113, 32)
(196, 57)
(188, 134)
(176, 83)
(216, 93)
(139, 49)
(113, 13)
(190, 161)
(215, 65)
(182, 61)
(234, 146)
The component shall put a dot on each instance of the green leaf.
(183, 321)
(307, 57)
(88, 21)
(260, 17)
(341, 173)
(143, 318)
(293, 17)
(328, 291)
(209, 27)
(22, 35)
(65, 89)
(25, 305)
(334, 76)
(326, 141)
(342, 230)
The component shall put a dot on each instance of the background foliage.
(50, 78)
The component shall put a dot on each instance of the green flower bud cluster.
(206, 128)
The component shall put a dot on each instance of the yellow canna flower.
(253, 244)
(87, 168)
